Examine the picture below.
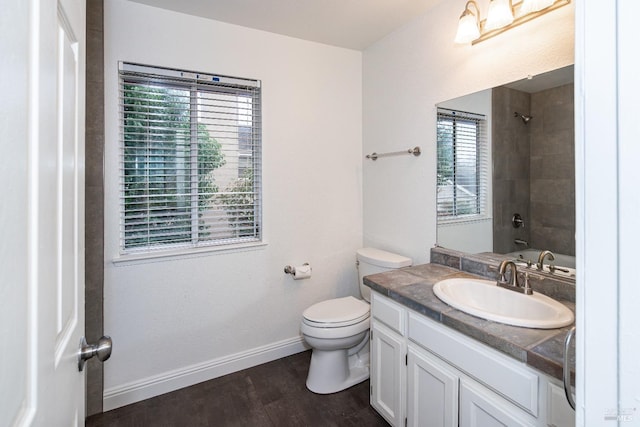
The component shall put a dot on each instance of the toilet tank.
(372, 261)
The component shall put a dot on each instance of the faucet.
(514, 273)
(543, 255)
(514, 285)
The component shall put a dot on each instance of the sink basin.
(482, 298)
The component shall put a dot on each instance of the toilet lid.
(337, 312)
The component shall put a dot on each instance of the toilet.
(337, 330)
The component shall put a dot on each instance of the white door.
(42, 214)
(607, 204)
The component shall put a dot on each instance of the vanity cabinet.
(426, 374)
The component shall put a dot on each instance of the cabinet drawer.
(497, 371)
(388, 312)
(479, 407)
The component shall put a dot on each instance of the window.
(190, 163)
(462, 165)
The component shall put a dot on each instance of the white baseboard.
(136, 391)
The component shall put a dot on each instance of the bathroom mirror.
(506, 175)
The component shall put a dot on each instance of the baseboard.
(173, 380)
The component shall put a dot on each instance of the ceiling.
(352, 24)
(551, 79)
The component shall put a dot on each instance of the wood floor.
(273, 394)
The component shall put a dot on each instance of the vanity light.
(469, 25)
(502, 15)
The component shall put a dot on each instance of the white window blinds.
(190, 164)
(462, 165)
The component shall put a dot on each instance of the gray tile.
(431, 272)
(548, 356)
(558, 116)
(94, 120)
(95, 56)
(558, 143)
(420, 298)
(95, 12)
(557, 239)
(473, 266)
(443, 256)
(390, 281)
(94, 388)
(94, 197)
(552, 215)
(545, 167)
(94, 160)
(557, 191)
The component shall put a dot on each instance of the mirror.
(526, 201)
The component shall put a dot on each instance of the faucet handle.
(527, 285)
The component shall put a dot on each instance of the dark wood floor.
(273, 394)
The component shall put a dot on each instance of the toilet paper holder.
(292, 270)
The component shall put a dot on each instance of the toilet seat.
(336, 313)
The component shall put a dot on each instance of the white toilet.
(338, 329)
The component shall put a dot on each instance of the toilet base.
(335, 370)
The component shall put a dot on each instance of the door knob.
(102, 350)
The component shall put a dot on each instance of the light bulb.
(468, 29)
(499, 15)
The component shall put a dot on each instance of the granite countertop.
(542, 349)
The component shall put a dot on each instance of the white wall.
(477, 235)
(404, 76)
(179, 321)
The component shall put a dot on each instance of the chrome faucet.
(542, 256)
(514, 284)
(514, 273)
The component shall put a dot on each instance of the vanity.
(433, 365)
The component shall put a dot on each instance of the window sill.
(171, 255)
(458, 221)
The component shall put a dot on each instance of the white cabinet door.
(479, 407)
(559, 413)
(388, 354)
(432, 391)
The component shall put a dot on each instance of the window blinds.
(463, 168)
(190, 163)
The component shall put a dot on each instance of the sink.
(482, 298)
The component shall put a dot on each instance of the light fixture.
(502, 15)
(469, 24)
(529, 6)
